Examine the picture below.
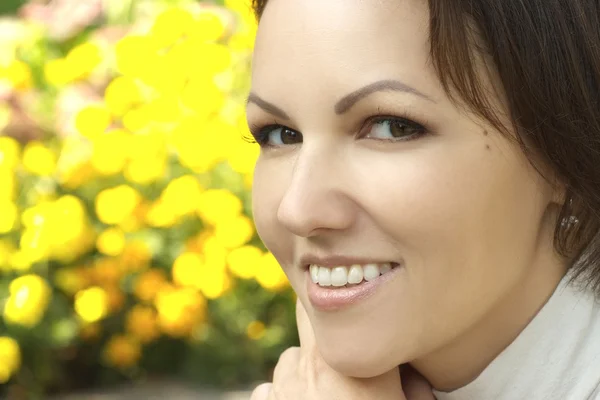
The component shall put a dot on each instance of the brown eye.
(394, 129)
(276, 136)
(289, 136)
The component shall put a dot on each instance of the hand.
(301, 373)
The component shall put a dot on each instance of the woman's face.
(394, 172)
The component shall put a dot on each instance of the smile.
(345, 276)
(334, 288)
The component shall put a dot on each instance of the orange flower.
(149, 283)
(122, 351)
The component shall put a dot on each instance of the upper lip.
(336, 260)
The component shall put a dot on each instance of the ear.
(560, 191)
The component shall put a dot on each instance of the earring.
(569, 221)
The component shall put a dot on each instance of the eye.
(276, 136)
(393, 129)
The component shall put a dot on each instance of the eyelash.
(260, 133)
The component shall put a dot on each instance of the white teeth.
(314, 273)
(341, 276)
(370, 271)
(355, 275)
(385, 267)
(324, 276)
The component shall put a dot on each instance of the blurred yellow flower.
(204, 273)
(134, 54)
(10, 358)
(242, 157)
(59, 72)
(137, 118)
(122, 351)
(170, 26)
(111, 151)
(29, 298)
(180, 311)
(70, 229)
(215, 205)
(203, 97)
(243, 7)
(111, 241)
(71, 280)
(209, 25)
(36, 244)
(56, 229)
(116, 298)
(243, 39)
(196, 243)
(92, 304)
(20, 261)
(214, 253)
(245, 261)
(107, 271)
(148, 157)
(187, 269)
(215, 281)
(135, 256)
(92, 120)
(198, 142)
(10, 152)
(39, 159)
(9, 216)
(270, 275)
(7, 249)
(182, 195)
(122, 94)
(161, 215)
(115, 205)
(8, 184)
(149, 283)
(234, 232)
(146, 169)
(83, 59)
(255, 330)
(16, 75)
(164, 109)
(141, 322)
(165, 75)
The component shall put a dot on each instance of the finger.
(414, 385)
(261, 392)
(305, 329)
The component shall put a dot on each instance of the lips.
(332, 298)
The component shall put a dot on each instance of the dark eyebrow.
(268, 107)
(344, 104)
(349, 100)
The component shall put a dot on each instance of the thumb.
(305, 329)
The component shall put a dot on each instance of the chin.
(358, 361)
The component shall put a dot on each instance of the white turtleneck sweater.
(556, 357)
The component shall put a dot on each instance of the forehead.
(344, 43)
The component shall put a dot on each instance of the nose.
(316, 198)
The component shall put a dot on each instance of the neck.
(461, 361)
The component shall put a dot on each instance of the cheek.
(267, 191)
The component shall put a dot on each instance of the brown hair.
(547, 56)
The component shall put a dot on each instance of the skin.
(460, 207)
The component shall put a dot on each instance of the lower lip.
(331, 298)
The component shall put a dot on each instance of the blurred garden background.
(127, 249)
